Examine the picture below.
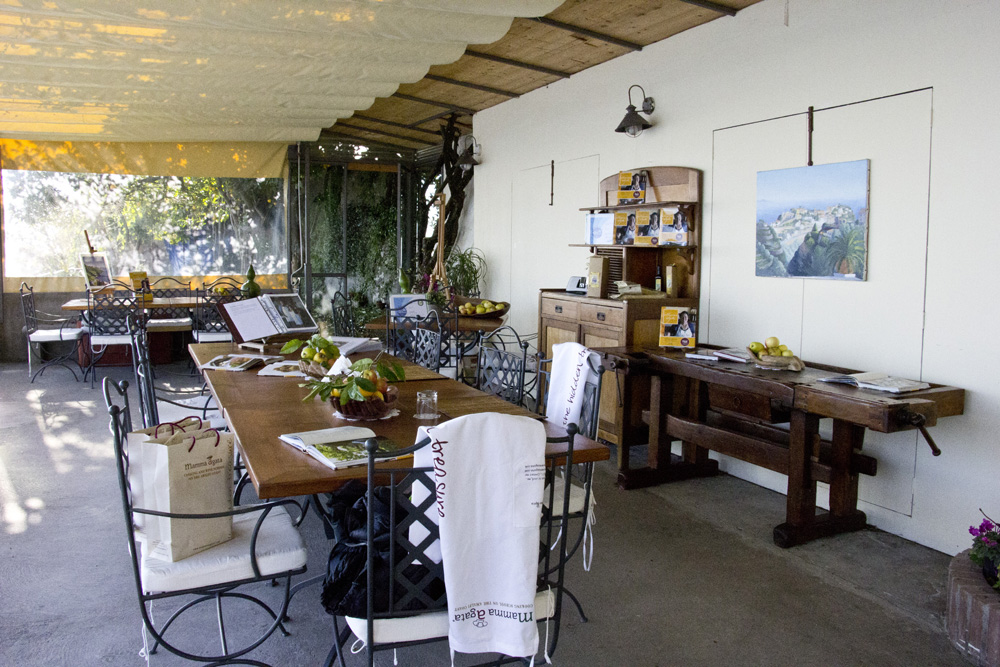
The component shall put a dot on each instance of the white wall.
(751, 68)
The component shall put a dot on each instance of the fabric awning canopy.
(223, 70)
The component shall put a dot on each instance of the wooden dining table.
(259, 409)
(80, 304)
(465, 324)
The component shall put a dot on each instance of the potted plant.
(466, 270)
(986, 549)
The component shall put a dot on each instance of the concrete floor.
(684, 574)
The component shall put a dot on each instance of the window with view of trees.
(164, 225)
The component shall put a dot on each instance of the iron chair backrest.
(107, 313)
(143, 372)
(401, 330)
(502, 362)
(591, 409)
(207, 317)
(28, 309)
(400, 326)
(343, 315)
(415, 582)
(170, 288)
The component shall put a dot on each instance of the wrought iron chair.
(401, 323)
(581, 476)
(107, 321)
(501, 364)
(403, 331)
(265, 546)
(407, 605)
(154, 404)
(42, 329)
(171, 318)
(209, 326)
(343, 315)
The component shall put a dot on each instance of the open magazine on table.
(338, 447)
(878, 382)
(238, 362)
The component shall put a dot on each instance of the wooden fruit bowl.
(493, 314)
(769, 362)
(369, 410)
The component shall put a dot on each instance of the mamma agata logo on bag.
(479, 615)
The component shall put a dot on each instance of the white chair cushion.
(54, 335)
(212, 336)
(279, 549)
(123, 339)
(432, 624)
(171, 323)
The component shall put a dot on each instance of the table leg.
(671, 395)
(800, 512)
(697, 410)
(847, 438)
(801, 523)
(660, 389)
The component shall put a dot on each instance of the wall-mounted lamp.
(633, 124)
(471, 154)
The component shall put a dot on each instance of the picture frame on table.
(407, 306)
(96, 271)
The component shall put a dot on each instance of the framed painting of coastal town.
(812, 222)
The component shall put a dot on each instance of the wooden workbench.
(734, 409)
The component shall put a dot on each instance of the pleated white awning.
(223, 70)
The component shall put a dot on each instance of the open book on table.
(339, 447)
(878, 382)
(267, 315)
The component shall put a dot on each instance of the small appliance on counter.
(577, 285)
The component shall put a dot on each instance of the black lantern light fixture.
(470, 156)
(633, 124)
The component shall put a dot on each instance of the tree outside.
(163, 225)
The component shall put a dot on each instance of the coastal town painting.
(812, 222)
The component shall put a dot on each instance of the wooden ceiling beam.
(404, 126)
(586, 32)
(436, 117)
(361, 128)
(517, 63)
(714, 6)
(474, 86)
(361, 141)
(435, 103)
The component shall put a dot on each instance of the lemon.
(379, 396)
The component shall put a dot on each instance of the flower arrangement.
(986, 548)
(436, 293)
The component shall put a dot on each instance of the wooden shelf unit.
(597, 323)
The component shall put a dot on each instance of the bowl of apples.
(773, 355)
(363, 392)
(482, 308)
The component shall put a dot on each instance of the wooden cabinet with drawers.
(594, 323)
(597, 323)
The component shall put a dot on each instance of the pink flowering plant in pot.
(986, 548)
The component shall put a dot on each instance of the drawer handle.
(558, 309)
(600, 317)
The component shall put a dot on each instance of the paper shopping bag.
(135, 452)
(189, 473)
